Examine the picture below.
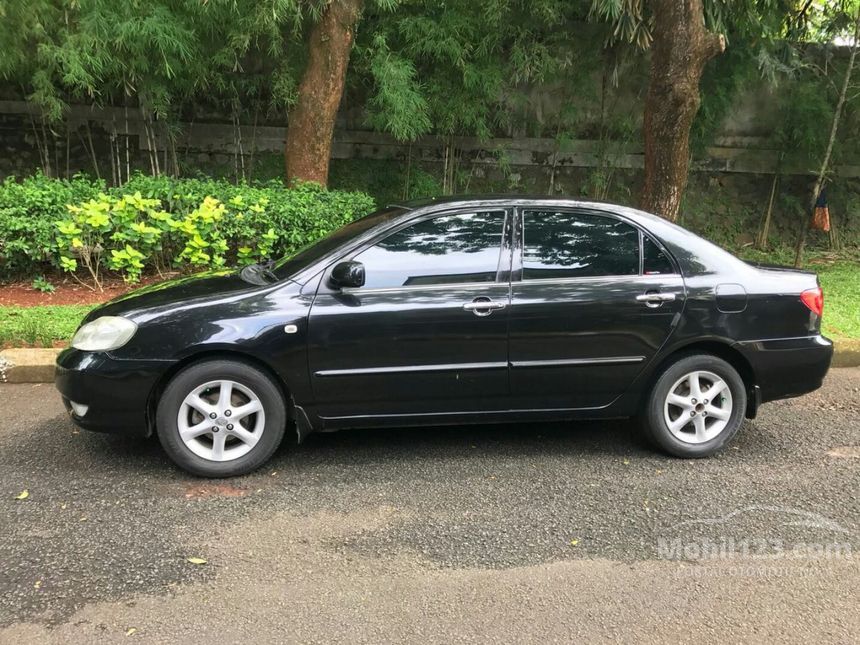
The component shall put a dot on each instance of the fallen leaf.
(130, 631)
(194, 560)
(24, 494)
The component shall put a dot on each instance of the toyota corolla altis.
(452, 312)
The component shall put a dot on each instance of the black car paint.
(573, 348)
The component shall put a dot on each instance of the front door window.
(452, 249)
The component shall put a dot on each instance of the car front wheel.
(696, 406)
(221, 418)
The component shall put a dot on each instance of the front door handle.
(655, 299)
(483, 306)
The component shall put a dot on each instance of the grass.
(39, 326)
(841, 284)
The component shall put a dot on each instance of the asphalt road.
(534, 533)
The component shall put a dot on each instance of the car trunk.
(791, 300)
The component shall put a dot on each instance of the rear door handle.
(655, 299)
(483, 306)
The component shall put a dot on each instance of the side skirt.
(330, 424)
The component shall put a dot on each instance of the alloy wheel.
(698, 407)
(221, 420)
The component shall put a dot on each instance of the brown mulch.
(68, 292)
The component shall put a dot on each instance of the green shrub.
(28, 210)
(161, 223)
(40, 283)
(297, 215)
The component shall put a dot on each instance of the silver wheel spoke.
(676, 425)
(199, 404)
(701, 430)
(225, 394)
(680, 401)
(248, 438)
(714, 390)
(695, 386)
(245, 410)
(218, 441)
(717, 413)
(193, 432)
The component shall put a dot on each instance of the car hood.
(211, 285)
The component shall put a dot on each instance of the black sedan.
(452, 312)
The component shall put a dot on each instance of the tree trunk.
(764, 229)
(680, 49)
(311, 121)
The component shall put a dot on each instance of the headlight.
(104, 334)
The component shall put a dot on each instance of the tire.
(249, 421)
(703, 434)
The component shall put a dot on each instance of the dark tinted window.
(654, 260)
(573, 245)
(442, 250)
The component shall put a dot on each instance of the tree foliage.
(442, 67)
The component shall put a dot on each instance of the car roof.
(429, 203)
(508, 198)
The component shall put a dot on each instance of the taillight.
(814, 299)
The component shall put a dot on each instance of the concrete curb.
(27, 365)
(847, 353)
(37, 365)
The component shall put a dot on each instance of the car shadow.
(79, 450)
(616, 437)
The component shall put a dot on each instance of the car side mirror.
(348, 274)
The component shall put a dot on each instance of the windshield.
(291, 264)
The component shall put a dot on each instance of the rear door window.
(577, 245)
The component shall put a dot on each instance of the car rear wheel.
(221, 418)
(696, 406)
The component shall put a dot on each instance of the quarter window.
(654, 260)
(444, 250)
(574, 245)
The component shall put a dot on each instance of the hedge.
(160, 223)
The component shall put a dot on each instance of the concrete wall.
(201, 143)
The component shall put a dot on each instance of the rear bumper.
(114, 392)
(787, 367)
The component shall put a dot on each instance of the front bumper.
(115, 392)
(788, 367)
